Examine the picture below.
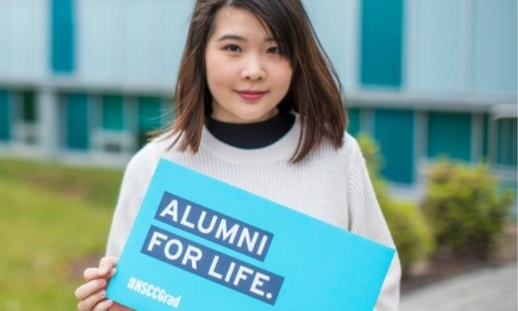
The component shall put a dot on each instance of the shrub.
(464, 208)
(411, 233)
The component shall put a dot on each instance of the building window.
(63, 38)
(506, 146)
(150, 117)
(381, 43)
(5, 116)
(394, 130)
(354, 121)
(112, 134)
(77, 134)
(26, 121)
(449, 135)
(113, 113)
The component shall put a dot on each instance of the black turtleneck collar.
(252, 135)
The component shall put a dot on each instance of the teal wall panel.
(394, 131)
(149, 117)
(166, 111)
(485, 138)
(449, 134)
(354, 121)
(5, 116)
(77, 121)
(381, 42)
(506, 150)
(62, 36)
(113, 113)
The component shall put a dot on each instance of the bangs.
(279, 20)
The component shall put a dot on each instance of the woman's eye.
(274, 50)
(233, 48)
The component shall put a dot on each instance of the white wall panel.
(175, 25)
(140, 60)
(434, 55)
(99, 39)
(494, 46)
(23, 36)
(132, 41)
(332, 22)
(5, 39)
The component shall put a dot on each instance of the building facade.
(84, 80)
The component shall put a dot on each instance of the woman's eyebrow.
(232, 37)
(241, 38)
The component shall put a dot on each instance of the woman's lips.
(251, 95)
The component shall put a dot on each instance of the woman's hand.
(93, 293)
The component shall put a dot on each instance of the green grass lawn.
(54, 221)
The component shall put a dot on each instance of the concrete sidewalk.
(493, 289)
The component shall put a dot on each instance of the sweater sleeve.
(137, 177)
(366, 219)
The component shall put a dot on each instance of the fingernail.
(103, 294)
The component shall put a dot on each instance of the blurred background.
(430, 87)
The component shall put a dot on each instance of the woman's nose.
(253, 69)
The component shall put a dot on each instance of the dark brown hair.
(315, 90)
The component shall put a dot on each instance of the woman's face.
(246, 75)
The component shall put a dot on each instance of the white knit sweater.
(330, 185)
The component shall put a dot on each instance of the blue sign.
(214, 226)
(201, 244)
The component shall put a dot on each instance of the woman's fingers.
(93, 293)
(106, 265)
(104, 305)
(88, 289)
(93, 273)
(92, 301)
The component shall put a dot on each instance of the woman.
(257, 106)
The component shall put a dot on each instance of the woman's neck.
(251, 135)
